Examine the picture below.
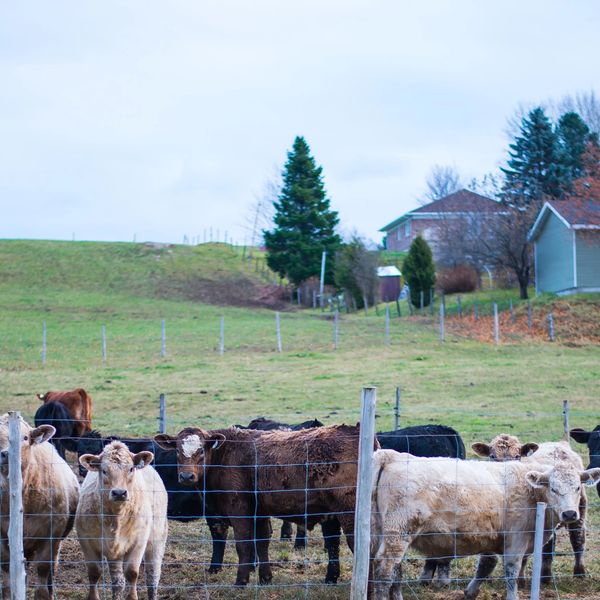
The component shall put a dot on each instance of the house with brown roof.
(425, 220)
(566, 241)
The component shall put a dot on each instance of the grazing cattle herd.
(427, 496)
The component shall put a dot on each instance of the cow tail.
(376, 543)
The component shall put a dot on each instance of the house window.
(407, 229)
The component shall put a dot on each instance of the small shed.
(389, 283)
(566, 238)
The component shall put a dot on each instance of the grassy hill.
(212, 273)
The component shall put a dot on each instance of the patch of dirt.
(575, 324)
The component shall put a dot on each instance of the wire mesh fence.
(220, 485)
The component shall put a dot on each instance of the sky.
(149, 120)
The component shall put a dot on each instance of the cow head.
(561, 489)
(30, 436)
(592, 440)
(116, 467)
(194, 448)
(504, 447)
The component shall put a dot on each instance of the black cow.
(592, 439)
(424, 440)
(60, 417)
(184, 503)
(428, 441)
(265, 424)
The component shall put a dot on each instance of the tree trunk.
(523, 284)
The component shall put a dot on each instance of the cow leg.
(244, 545)
(443, 571)
(331, 539)
(485, 566)
(263, 534)
(117, 578)
(5, 565)
(577, 536)
(512, 565)
(387, 566)
(93, 560)
(218, 532)
(300, 542)
(43, 560)
(287, 531)
(153, 557)
(547, 558)
(428, 571)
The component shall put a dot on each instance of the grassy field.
(76, 288)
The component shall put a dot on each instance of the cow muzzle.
(187, 478)
(569, 516)
(118, 495)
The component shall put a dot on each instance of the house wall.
(425, 227)
(588, 258)
(554, 268)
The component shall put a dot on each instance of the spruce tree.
(304, 223)
(573, 135)
(533, 170)
(419, 271)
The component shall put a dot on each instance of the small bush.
(458, 279)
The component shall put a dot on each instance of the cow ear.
(165, 441)
(591, 476)
(579, 435)
(142, 459)
(214, 441)
(41, 434)
(481, 449)
(536, 479)
(90, 461)
(527, 449)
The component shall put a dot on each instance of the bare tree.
(441, 181)
(261, 211)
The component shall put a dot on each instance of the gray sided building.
(566, 239)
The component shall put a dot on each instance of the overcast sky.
(161, 119)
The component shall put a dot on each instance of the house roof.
(463, 201)
(389, 271)
(575, 214)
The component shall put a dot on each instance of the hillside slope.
(208, 273)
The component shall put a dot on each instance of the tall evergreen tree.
(304, 223)
(419, 271)
(533, 169)
(573, 135)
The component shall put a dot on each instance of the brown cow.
(79, 403)
(301, 476)
(50, 495)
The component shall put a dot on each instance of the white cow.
(122, 516)
(508, 447)
(50, 494)
(448, 507)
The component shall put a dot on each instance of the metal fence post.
(512, 313)
(550, 327)
(496, 325)
(278, 331)
(566, 429)
(442, 325)
(336, 318)
(397, 410)
(421, 299)
(162, 414)
(364, 484)
(459, 306)
(163, 338)
(15, 527)
(431, 307)
(475, 310)
(387, 325)
(537, 550)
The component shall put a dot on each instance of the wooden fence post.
(364, 485)
(397, 410)
(459, 306)
(431, 307)
(550, 326)
(538, 544)
(566, 429)
(15, 526)
(421, 299)
(387, 324)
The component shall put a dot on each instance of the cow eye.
(25, 438)
(555, 491)
(104, 472)
(131, 469)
